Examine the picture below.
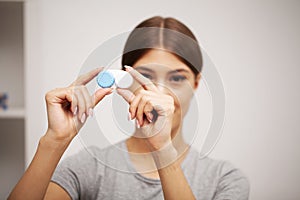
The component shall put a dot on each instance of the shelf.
(12, 113)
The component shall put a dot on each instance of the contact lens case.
(114, 77)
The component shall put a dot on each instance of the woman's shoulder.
(232, 182)
(228, 180)
(218, 168)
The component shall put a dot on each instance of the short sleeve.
(232, 185)
(79, 175)
(66, 177)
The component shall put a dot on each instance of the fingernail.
(128, 68)
(83, 117)
(91, 113)
(129, 116)
(75, 111)
(137, 124)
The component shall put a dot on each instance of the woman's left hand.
(145, 104)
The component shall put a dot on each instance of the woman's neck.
(142, 159)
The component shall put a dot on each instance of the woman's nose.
(161, 86)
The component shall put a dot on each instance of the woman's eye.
(147, 76)
(177, 78)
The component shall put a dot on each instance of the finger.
(81, 105)
(134, 105)
(140, 110)
(100, 94)
(88, 101)
(85, 78)
(73, 101)
(145, 82)
(61, 95)
(126, 94)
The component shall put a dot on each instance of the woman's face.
(171, 76)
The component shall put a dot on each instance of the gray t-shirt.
(85, 176)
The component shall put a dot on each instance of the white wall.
(12, 82)
(255, 46)
(11, 53)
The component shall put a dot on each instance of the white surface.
(254, 44)
(12, 113)
(123, 79)
(12, 120)
(11, 56)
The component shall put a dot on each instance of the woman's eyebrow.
(170, 72)
(144, 68)
(178, 70)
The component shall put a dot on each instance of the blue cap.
(105, 79)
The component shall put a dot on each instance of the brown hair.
(163, 33)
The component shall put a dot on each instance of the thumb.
(100, 94)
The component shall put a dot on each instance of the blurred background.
(255, 46)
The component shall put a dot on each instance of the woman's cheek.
(182, 97)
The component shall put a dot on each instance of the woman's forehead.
(161, 61)
(161, 69)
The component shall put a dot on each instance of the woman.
(167, 72)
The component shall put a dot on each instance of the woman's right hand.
(68, 108)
